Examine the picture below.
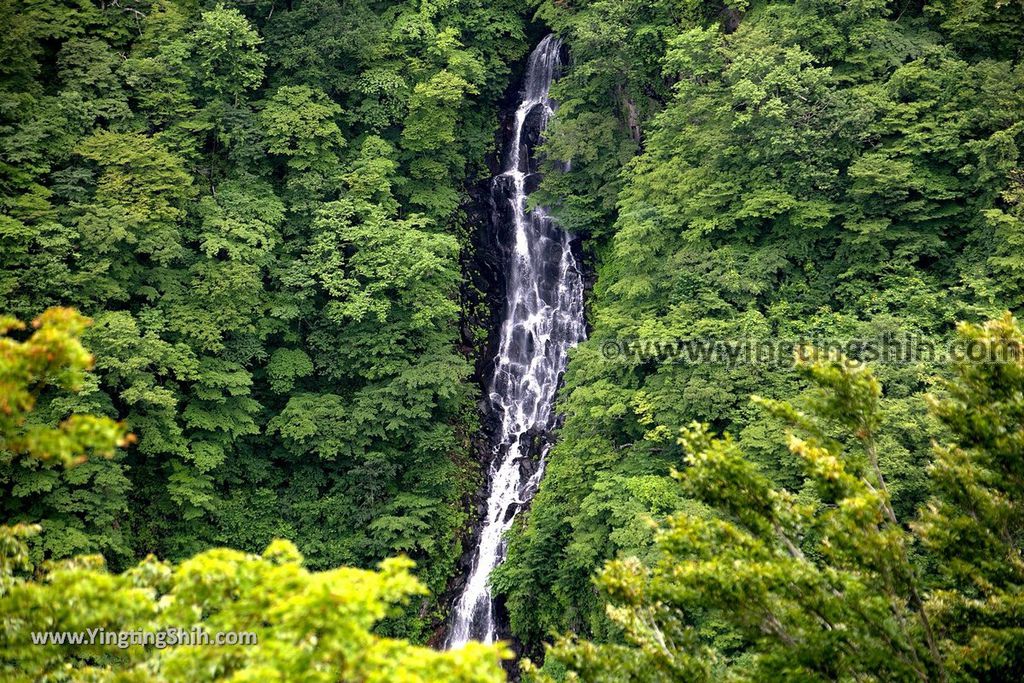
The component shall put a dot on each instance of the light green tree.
(823, 583)
(309, 626)
(34, 451)
(51, 357)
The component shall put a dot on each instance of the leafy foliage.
(822, 583)
(309, 626)
(51, 356)
(753, 172)
(43, 468)
(259, 207)
(306, 625)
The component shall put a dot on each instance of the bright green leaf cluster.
(826, 584)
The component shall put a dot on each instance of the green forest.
(244, 339)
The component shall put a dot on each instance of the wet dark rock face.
(482, 296)
(485, 293)
(541, 319)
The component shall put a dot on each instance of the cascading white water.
(543, 319)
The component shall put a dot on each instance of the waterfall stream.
(543, 319)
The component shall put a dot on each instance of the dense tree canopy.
(259, 207)
(805, 170)
(260, 219)
(289, 624)
(761, 583)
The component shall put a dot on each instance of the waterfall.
(543, 319)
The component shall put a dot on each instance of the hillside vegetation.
(243, 232)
